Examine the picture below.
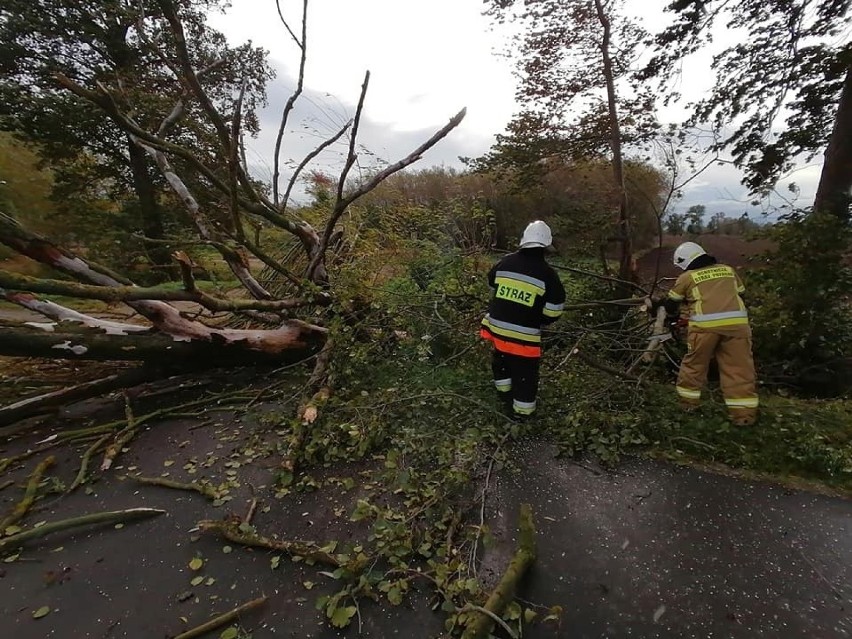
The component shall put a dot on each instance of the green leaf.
(285, 478)
(529, 615)
(342, 616)
(395, 595)
(329, 548)
(229, 633)
(41, 612)
(196, 564)
(513, 611)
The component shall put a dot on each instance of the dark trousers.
(517, 377)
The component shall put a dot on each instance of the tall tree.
(783, 90)
(191, 132)
(129, 48)
(575, 66)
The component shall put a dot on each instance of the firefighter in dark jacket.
(526, 295)
(718, 328)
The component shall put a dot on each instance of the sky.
(427, 60)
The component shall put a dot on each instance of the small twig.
(112, 517)
(482, 498)
(6, 484)
(574, 350)
(692, 441)
(221, 620)
(252, 508)
(122, 438)
(607, 369)
(24, 505)
(84, 463)
(456, 356)
(204, 489)
(306, 549)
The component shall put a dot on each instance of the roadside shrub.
(799, 300)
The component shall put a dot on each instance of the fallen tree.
(207, 181)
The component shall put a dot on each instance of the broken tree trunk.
(290, 343)
(53, 401)
(165, 318)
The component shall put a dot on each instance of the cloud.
(317, 116)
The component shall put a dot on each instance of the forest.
(279, 379)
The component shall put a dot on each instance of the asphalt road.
(651, 550)
(656, 550)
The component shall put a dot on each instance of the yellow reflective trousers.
(731, 347)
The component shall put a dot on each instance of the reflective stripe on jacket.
(526, 295)
(712, 295)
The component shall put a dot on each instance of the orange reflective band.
(510, 347)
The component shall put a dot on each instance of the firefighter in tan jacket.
(718, 327)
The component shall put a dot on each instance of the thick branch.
(42, 250)
(49, 402)
(291, 101)
(480, 624)
(221, 620)
(259, 206)
(343, 203)
(231, 531)
(235, 261)
(191, 79)
(224, 347)
(112, 517)
(60, 313)
(164, 317)
(128, 294)
(234, 163)
(24, 505)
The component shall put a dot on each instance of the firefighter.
(717, 327)
(526, 294)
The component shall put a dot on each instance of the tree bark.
(625, 270)
(50, 402)
(834, 193)
(164, 317)
(224, 348)
(149, 210)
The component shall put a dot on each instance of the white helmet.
(685, 253)
(536, 235)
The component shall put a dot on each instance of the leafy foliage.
(799, 302)
(129, 49)
(789, 63)
(564, 111)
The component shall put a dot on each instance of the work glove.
(676, 325)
